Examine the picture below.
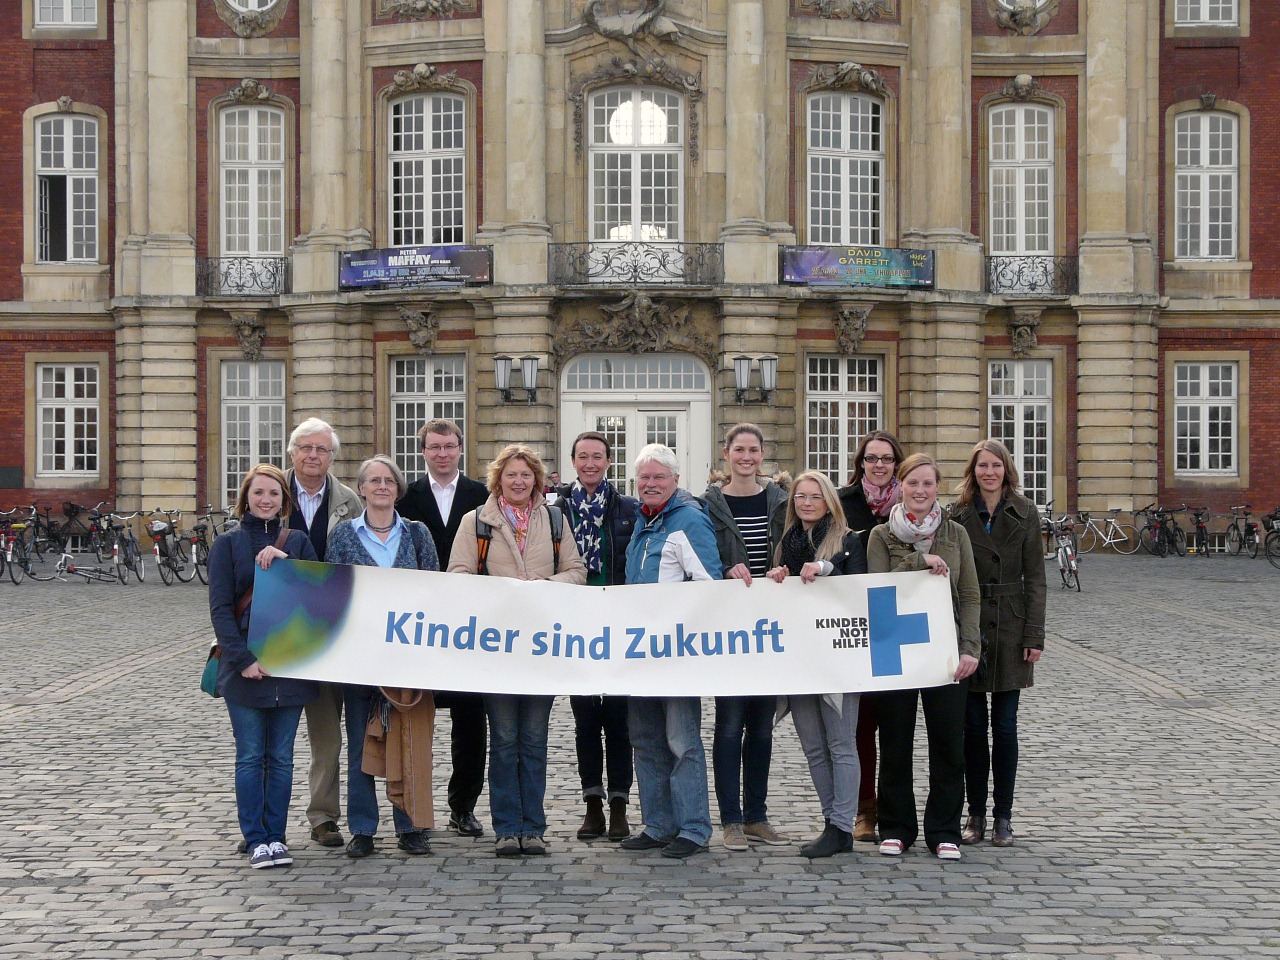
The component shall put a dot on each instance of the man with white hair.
(322, 501)
(674, 542)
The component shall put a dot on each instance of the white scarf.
(917, 531)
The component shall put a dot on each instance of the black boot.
(975, 828)
(831, 841)
(593, 823)
(619, 828)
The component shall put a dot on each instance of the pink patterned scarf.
(881, 499)
(518, 517)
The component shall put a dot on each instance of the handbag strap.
(246, 598)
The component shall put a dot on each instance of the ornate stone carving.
(630, 20)
(251, 23)
(425, 9)
(1025, 17)
(637, 324)
(1022, 88)
(250, 332)
(654, 69)
(850, 322)
(1207, 101)
(424, 76)
(849, 76)
(249, 91)
(65, 103)
(424, 327)
(1022, 331)
(849, 9)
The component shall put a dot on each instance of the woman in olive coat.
(1004, 529)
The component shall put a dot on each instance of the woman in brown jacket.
(1004, 529)
(514, 529)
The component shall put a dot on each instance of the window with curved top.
(846, 169)
(1020, 162)
(427, 170)
(67, 189)
(1206, 175)
(251, 6)
(253, 176)
(636, 153)
(1217, 13)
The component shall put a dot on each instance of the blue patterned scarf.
(587, 531)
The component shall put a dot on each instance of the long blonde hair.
(833, 542)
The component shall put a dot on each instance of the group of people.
(745, 527)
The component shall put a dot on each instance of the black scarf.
(800, 546)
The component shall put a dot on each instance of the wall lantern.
(742, 378)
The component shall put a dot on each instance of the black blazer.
(419, 503)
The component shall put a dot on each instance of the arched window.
(67, 166)
(427, 170)
(1206, 173)
(637, 165)
(846, 169)
(250, 6)
(253, 177)
(1021, 171)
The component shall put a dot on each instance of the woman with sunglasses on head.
(818, 543)
(866, 502)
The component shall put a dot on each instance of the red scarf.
(651, 512)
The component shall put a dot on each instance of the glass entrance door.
(630, 428)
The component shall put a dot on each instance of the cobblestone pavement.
(1147, 811)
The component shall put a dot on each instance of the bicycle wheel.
(202, 560)
(122, 564)
(1202, 542)
(165, 565)
(1088, 539)
(1180, 541)
(96, 544)
(1251, 543)
(1129, 544)
(133, 557)
(1235, 540)
(1073, 574)
(18, 562)
(44, 569)
(183, 565)
(1272, 549)
(1150, 540)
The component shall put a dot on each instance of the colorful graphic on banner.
(443, 631)
(858, 266)
(410, 266)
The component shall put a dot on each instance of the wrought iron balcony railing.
(242, 276)
(1033, 276)
(695, 264)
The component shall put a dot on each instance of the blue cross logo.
(891, 631)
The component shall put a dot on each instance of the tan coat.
(505, 558)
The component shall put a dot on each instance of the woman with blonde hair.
(515, 534)
(818, 543)
(1004, 528)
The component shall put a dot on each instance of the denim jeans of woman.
(740, 756)
(518, 763)
(1000, 761)
(264, 769)
(594, 717)
(362, 789)
(829, 741)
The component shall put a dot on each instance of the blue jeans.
(264, 769)
(518, 763)
(740, 756)
(1001, 760)
(671, 767)
(362, 789)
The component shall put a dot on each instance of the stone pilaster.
(494, 148)
(1118, 431)
(744, 233)
(519, 327)
(756, 326)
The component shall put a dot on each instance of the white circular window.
(1015, 4)
(251, 6)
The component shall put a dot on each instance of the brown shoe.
(975, 828)
(619, 828)
(327, 834)
(763, 832)
(1002, 835)
(593, 823)
(864, 826)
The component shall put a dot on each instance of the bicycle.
(67, 565)
(124, 545)
(1200, 534)
(1271, 546)
(1242, 533)
(1121, 537)
(93, 533)
(199, 537)
(15, 546)
(1062, 532)
(1161, 532)
(170, 549)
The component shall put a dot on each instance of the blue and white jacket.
(678, 544)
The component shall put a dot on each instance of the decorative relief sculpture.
(1022, 88)
(249, 91)
(1022, 331)
(424, 327)
(1025, 17)
(65, 103)
(425, 9)
(849, 9)
(424, 77)
(850, 322)
(250, 331)
(637, 324)
(1207, 101)
(630, 20)
(849, 76)
(251, 23)
(653, 69)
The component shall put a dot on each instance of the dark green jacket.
(733, 549)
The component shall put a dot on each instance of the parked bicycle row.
(33, 545)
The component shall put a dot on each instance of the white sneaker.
(891, 848)
(261, 857)
(948, 851)
(280, 856)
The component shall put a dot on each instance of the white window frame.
(65, 145)
(263, 401)
(1021, 175)
(849, 393)
(252, 6)
(1206, 223)
(846, 164)
(1212, 13)
(423, 388)
(62, 13)
(618, 144)
(1201, 409)
(253, 178)
(68, 419)
(427, 169)
(1027, 395)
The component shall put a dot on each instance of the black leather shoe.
(975, 828)
(359, 846)
(681, 848)
(644, 841)
(414, 843)
(327, 834)
(1002, 836)
(831, 841)
(465, 825)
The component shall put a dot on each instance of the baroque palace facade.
(948, 218)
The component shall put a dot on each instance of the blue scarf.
(587, 530)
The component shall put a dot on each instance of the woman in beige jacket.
(516, 535)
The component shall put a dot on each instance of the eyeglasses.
(441, 448)
(870, 459)
(808, 498)
(380, 481)
(308, 449)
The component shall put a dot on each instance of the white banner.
(444, 631)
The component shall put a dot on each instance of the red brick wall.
(1065, 23)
